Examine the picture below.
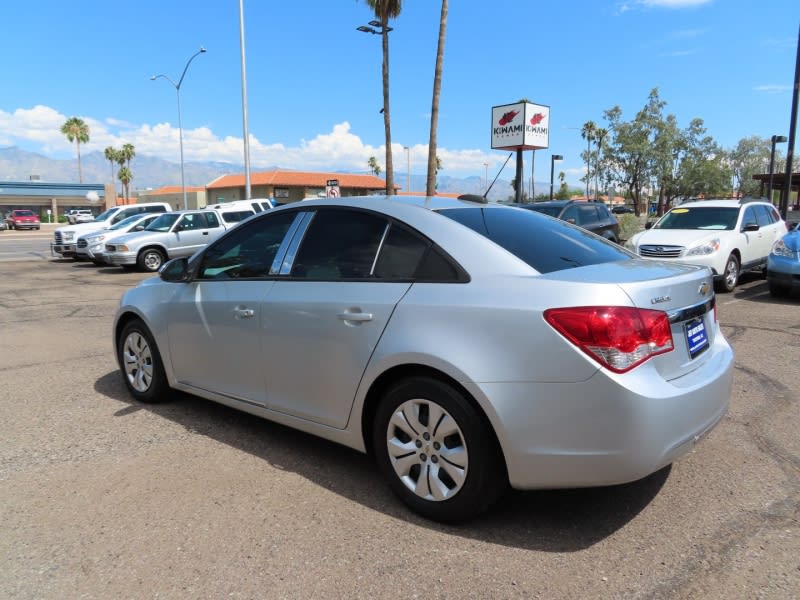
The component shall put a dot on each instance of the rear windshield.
(546, 244)
(553, 211)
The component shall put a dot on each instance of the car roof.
(721, 202)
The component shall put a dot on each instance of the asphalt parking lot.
(101, 497)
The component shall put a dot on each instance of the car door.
(216, 325)
(192, 232)
(323, 322)
(758, 242)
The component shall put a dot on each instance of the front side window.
(163, 223)
(248, 251)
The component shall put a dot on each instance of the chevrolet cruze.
(467, 346)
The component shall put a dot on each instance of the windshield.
(105, 215)
(546, 244)
(163, 223)
(704, 217)
(125, 222)
(24, 213)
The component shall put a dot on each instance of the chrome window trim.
(292, 241)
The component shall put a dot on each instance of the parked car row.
(146, 235)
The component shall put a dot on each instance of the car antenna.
(498, 174)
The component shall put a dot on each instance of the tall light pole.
(376, 27)
(180, 124)
(776, 139)
(408, 168)
(245, 128)
(486, 178)
(553, 159)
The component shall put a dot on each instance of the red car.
(23, 219)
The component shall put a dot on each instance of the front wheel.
(140, 363)
(436, 452)
(730, 275)
(150, 259)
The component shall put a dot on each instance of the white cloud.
(772, 89)
(38, 129)
(627, 5)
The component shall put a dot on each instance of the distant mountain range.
(151, 173)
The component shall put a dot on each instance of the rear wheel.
(150, 259)
(140, 363)
(436, 452)
(730, 275)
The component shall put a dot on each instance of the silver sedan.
(468, 346)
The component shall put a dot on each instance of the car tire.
(150, 259)
(777, 290)
(449, 470)
(730, 276)
(140, 363)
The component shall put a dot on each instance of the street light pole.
(177, 87)
(776, 139)
(381, 28)
(408, 168)
(553, 159)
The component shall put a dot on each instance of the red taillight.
(618, 337)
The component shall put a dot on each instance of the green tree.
(629, 157)
(125, 176)
(564, 192)
(434, 164)
(385, 10)
(111, 156)
(76, 131)
(128, 152)
(750, 156)
(374, 166)
(588, 131)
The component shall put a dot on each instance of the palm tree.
(128, 152)
(76, 131)
(385, 10)
(111, 156)
(374, 166)
(430, 188)
(125, 176)
(588, 132)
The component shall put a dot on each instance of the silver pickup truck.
(173, 234)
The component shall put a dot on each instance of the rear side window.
(339, 244)
(545, 244)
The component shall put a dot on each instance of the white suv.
(729, 236)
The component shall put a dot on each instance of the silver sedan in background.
(468, 346)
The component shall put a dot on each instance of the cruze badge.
(660, 299)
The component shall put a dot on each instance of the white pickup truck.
(171, 235)
(65, 238)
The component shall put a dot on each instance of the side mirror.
(139, 228)
(750, 227)
(176, 269)
(648, 225)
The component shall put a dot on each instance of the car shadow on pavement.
(549, 521)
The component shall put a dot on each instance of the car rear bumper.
(609, 429)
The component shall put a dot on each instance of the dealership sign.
(521, 126)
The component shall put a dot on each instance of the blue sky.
(314, 82)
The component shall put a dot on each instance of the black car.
(594, 216)
(622, 210)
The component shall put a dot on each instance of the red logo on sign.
(537, 118)
(508, 117)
